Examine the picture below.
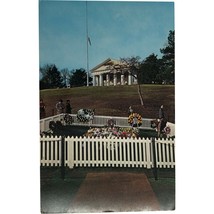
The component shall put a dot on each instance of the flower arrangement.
(135, 119)
(112, 132)
(154, 123)
(85, 115)
(111, 123)
(68, 119)
(167, 130)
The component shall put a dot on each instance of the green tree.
(78, 78)
(168, 59)
(50, 77)
(150, 68)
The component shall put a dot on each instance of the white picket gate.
(107, 152)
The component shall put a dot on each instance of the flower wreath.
(167, 130)
(111, 122)
(135, 119)
(154, 124)
(85, 115)
(68, 119)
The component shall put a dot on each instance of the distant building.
(112, 72)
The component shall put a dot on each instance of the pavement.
(114, 192)
(106, 190)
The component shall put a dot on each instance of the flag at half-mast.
(89, 41)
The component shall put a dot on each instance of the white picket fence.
(107, 152)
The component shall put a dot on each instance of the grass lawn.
(114, 100)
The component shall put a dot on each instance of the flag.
(89, 41)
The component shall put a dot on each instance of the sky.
(116, 30)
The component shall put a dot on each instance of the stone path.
(114, 192)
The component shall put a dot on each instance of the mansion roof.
(106, 66)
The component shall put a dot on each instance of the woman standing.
(68, 107)
(42, 109)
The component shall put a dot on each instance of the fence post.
(154, 159)
(63, 157)
(148, 154)
(70, 152)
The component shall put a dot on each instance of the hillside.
(114, 100)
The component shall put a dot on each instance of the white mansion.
(112, 72)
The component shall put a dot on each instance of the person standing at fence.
(68, 107)
(42, 109)
(130, 110)
(60, 107)
(162, 119)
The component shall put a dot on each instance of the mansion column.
(122, 79)
(101, 80)
(107, 79)
(129, 79)
(115, 79)
(94, 80)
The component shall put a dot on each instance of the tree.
(133, 65)
(65, 76)
(50, 77)
(79, 78)
(168, 59)
(150, 69)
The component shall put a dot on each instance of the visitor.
(130, 110)
(60, 107)
(135, 122)
(42, 109)
(162, 119)
(68, 107)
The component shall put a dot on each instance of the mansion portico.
(112, 72)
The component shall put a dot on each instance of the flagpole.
(87, 43)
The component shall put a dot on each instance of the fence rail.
(106, 152)
(99, 121)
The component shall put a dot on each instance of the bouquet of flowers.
(112, 132)
(85, 115)
(68, 119)
(111, 123)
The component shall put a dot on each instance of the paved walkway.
(114, 192)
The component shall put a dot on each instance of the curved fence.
(100, 121)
